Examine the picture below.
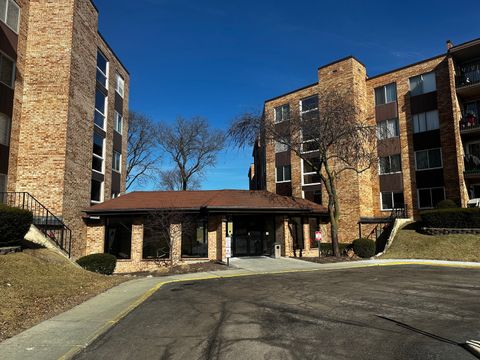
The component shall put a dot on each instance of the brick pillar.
(306, 236)
(214, 250)
(176, 234)
(221, 240)
(95, 238)
(288, 241)
(137, 241)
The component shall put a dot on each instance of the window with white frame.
(4, 129)
(392, 200)
(118, 122)
(100, 109)
(102, 69)
(390, 164)
(430, 197)
(388, 129)
(280, 147)
(117, 161)
(7, 70)
(120, 85)
(386, 94)
(98, 153)
(310, 171)
(282, 113)
(423, 84)
(96, 194)
(3, 183)
(284, 174)
(428, 159)
(10, 14)
(309, 104)
(426, 121)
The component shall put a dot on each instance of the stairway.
(44, 220)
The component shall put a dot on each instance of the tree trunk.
(333, 209)
(184, 185)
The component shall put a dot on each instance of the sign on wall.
(228, 247)
(318, 236)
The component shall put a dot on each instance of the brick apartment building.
(430, 152)
(63, 109)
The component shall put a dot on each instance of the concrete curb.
(19, 342)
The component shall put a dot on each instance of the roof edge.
(113, 52)
(291, 92)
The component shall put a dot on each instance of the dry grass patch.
(409, 244)
(38, 284)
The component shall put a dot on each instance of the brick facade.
(360, 194)
(54, 101)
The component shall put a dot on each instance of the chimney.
(449, 45)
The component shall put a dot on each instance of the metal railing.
(469, 74)
(49, 224)
(472, 164)
(400, 213)
(469, 122)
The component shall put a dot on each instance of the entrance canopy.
(214, 201)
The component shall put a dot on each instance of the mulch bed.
(183, 269)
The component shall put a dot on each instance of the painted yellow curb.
(110, 323)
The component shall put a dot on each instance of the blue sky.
(218, 59)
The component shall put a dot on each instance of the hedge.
(14, 225)
(447, 204)
(327, 250)
(99, 263)
(458, 218)
(364, 248)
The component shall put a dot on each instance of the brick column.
(176, 234)
(288, 241)
(137, 241)
(95, 238)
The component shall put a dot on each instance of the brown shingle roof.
(211, 200)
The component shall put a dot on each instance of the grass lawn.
(410, 244)
(38, 284)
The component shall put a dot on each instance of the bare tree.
(161, 228)
(192, 145)
(330, 136)
(172, 181)
(141, 160)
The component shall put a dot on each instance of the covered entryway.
(253, 235)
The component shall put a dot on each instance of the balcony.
(469, 124)
(468, 80)
(472, 166)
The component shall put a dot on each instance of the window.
(280, 147)
(314, 226)
(422, 84)
(7, 70)
(428, 159)
(392, 200)
(282, 113)
(10, 14)
(156, 240)
(102, 69)
(194, 238)
(425, 121)
(388, 129)
(98, 153)
(120, 86)
(3, 183)
(284, 173)
(390, 164)
(118, 237)
(4, 129)
(117, 161)
(473, 148)
(309, 172)
(100, 109)
(309, 104)
(118, 122)
(430, 197)
(386, 94)
(97, 191)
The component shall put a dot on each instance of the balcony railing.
(469, 74)
(472, 164)
(469, 122)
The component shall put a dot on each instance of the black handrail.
(49, 224)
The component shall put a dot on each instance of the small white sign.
(318, 236)
(228, 247)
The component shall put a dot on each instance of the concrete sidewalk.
(68, 333)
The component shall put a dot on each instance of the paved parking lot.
(395, 312)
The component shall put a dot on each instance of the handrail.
(50, 225)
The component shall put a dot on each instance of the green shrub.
(14, 225)
(99, 263)
(327, 250)
(364, 248)
(447, 204)
(458, 218)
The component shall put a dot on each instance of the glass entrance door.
(252, 235)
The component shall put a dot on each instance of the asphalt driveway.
(401, 312)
